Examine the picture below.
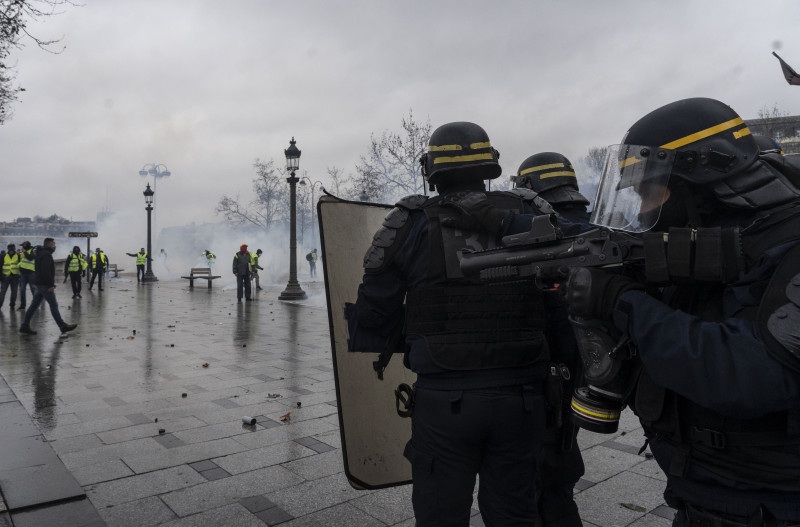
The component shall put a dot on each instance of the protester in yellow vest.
(10, 275)
(27, 272)
(141, 260)
(75, 267)
(98, 264)
(254, 257)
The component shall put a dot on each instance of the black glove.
(592, 293)
(475, 213)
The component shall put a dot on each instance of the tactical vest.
(141, 258)
(11, 265)
(25, 264)
(763, 451)
(469, 325)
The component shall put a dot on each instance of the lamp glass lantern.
(148, 195)
(292, 157)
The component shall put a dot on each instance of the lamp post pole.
(148, 199)
(293, 290)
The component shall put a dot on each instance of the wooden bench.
(200, 272)
(112, 269)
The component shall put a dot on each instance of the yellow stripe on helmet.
(462, 159)
(738, 134)
(478, 146)
(570, 173)
(444, 148)
(541, 167)
(702, 134)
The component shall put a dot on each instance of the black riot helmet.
(683, 163)
(767, 145)
(550, 174)
(459, 151)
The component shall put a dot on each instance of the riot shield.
(373, 435)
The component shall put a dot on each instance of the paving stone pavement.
(136, 419)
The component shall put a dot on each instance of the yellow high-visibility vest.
(25, 264)
(76, 263)
(11, 264)
(141, 258)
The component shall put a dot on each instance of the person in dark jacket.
(715, 364)
(242, 269)
(45, 289)
(479, 350)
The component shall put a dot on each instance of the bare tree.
(771, 113)
(770, 125)
(340, 182)
(390, 169)
(595, 160)
(270, 199)
(14, 18)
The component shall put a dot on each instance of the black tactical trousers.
(457, 435)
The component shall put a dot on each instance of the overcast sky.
(206, 87)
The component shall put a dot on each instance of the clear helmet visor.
(633, 187)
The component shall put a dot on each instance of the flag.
(792, 76)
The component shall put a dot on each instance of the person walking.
(27, 276)
(141, 260)
(242, 267)
(312, 262)
(10, 275)
(45, 289)
(98, 263)
(75, 267)
(257, 268)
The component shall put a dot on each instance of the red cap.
(244, 246)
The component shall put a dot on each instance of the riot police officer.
(552, 176)
(718, 390)
(479, 351)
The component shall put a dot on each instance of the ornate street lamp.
(313, 184)
(148, 200)
(293, 290)
(158, 171)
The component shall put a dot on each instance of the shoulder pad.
(779, 312)
(388, 239)
(524, 193)
(412, 202)
(396, 218)
(539, 204)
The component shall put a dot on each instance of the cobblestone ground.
(136, 419)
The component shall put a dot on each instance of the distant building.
(36, 229)
(784, 130)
